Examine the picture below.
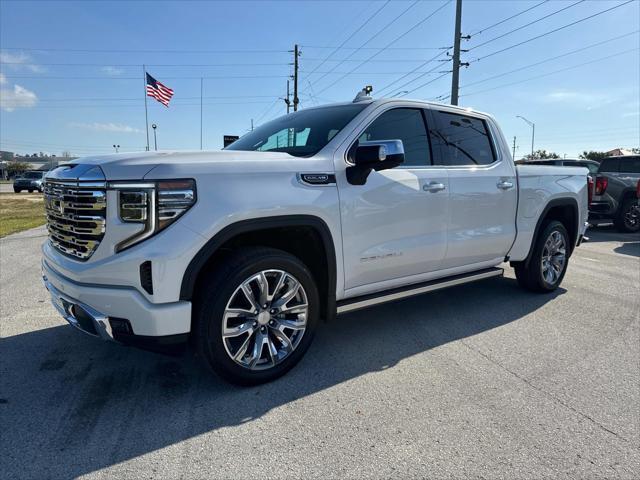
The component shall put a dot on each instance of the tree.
(593, 155)
(16, 168)
(541, 154)
(635, 150)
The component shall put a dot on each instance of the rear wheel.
(30, 190)
(628, 219)
(548, 263)
(256, 315)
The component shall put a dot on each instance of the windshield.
(33, 175)
(300, 134)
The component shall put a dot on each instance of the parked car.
(564, 162)
(29, 181)
(614, 198)
(323, 211)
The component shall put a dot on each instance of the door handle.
(433, 187)
(505, 185)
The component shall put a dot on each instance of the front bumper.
(100, 310)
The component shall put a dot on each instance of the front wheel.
(548, 263)
(628, 220)
(256, 315)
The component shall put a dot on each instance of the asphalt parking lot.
(483, 380)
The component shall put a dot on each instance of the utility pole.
(201, 89)
(252, 124)
(296, 54)
(514, 147)
(455, 78)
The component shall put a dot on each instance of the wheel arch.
(564, 210)
(305, 235)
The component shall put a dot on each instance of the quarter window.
(630, 165)
(462, 140)
(610, 165)
(406, 124)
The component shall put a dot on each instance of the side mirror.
(375, 155)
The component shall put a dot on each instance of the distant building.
(618, 152)
(6, 156)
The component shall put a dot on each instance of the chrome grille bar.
(76, 216)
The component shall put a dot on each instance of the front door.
(395, 226)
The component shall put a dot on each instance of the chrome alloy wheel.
(632, 216)
(554, 257)
(265, 319)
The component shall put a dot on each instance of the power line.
(524, 67)
(527, 25)
(377, 48)
(244, 64)
(415, 70)
(551, 31)
(554, 72)
(388, 45)
(104, 77)
(108, 50)
(489, 27)
(444, 74)
(351, 36)
(114, 99)
(371, 38)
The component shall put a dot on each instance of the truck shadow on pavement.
(72, 405)
(630, 241)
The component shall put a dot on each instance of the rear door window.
(461, 139)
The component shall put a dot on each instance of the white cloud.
(588, 100)
(19, 61)
(105, 127)
(16, 97)
(3, 79)
(109, 70)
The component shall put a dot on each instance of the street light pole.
(533, 130)
(155, 139)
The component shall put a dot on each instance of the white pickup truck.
(241, 252)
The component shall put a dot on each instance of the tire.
(535, 276)
(628, 218)
(16, 190)
(221, 289)
(30, 191)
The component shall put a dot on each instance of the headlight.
(156, 205)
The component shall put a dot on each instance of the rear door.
(482, 189)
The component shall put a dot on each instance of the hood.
(135, 166)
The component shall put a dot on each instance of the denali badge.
(318, 178)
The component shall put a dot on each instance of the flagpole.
(146, 115)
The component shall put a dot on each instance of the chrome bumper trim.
(65, 306)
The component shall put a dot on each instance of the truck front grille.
(76, 216)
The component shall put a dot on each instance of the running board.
(371, 300)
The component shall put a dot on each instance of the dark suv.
(29, 181)
(615, 197)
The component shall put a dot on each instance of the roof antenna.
(364, 94)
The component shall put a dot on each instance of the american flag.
(158, 91)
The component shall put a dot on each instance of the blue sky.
(71, 72)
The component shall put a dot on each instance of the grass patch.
(20, 211)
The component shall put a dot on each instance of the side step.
(373, 299)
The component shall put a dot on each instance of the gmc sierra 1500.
(322, 211)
